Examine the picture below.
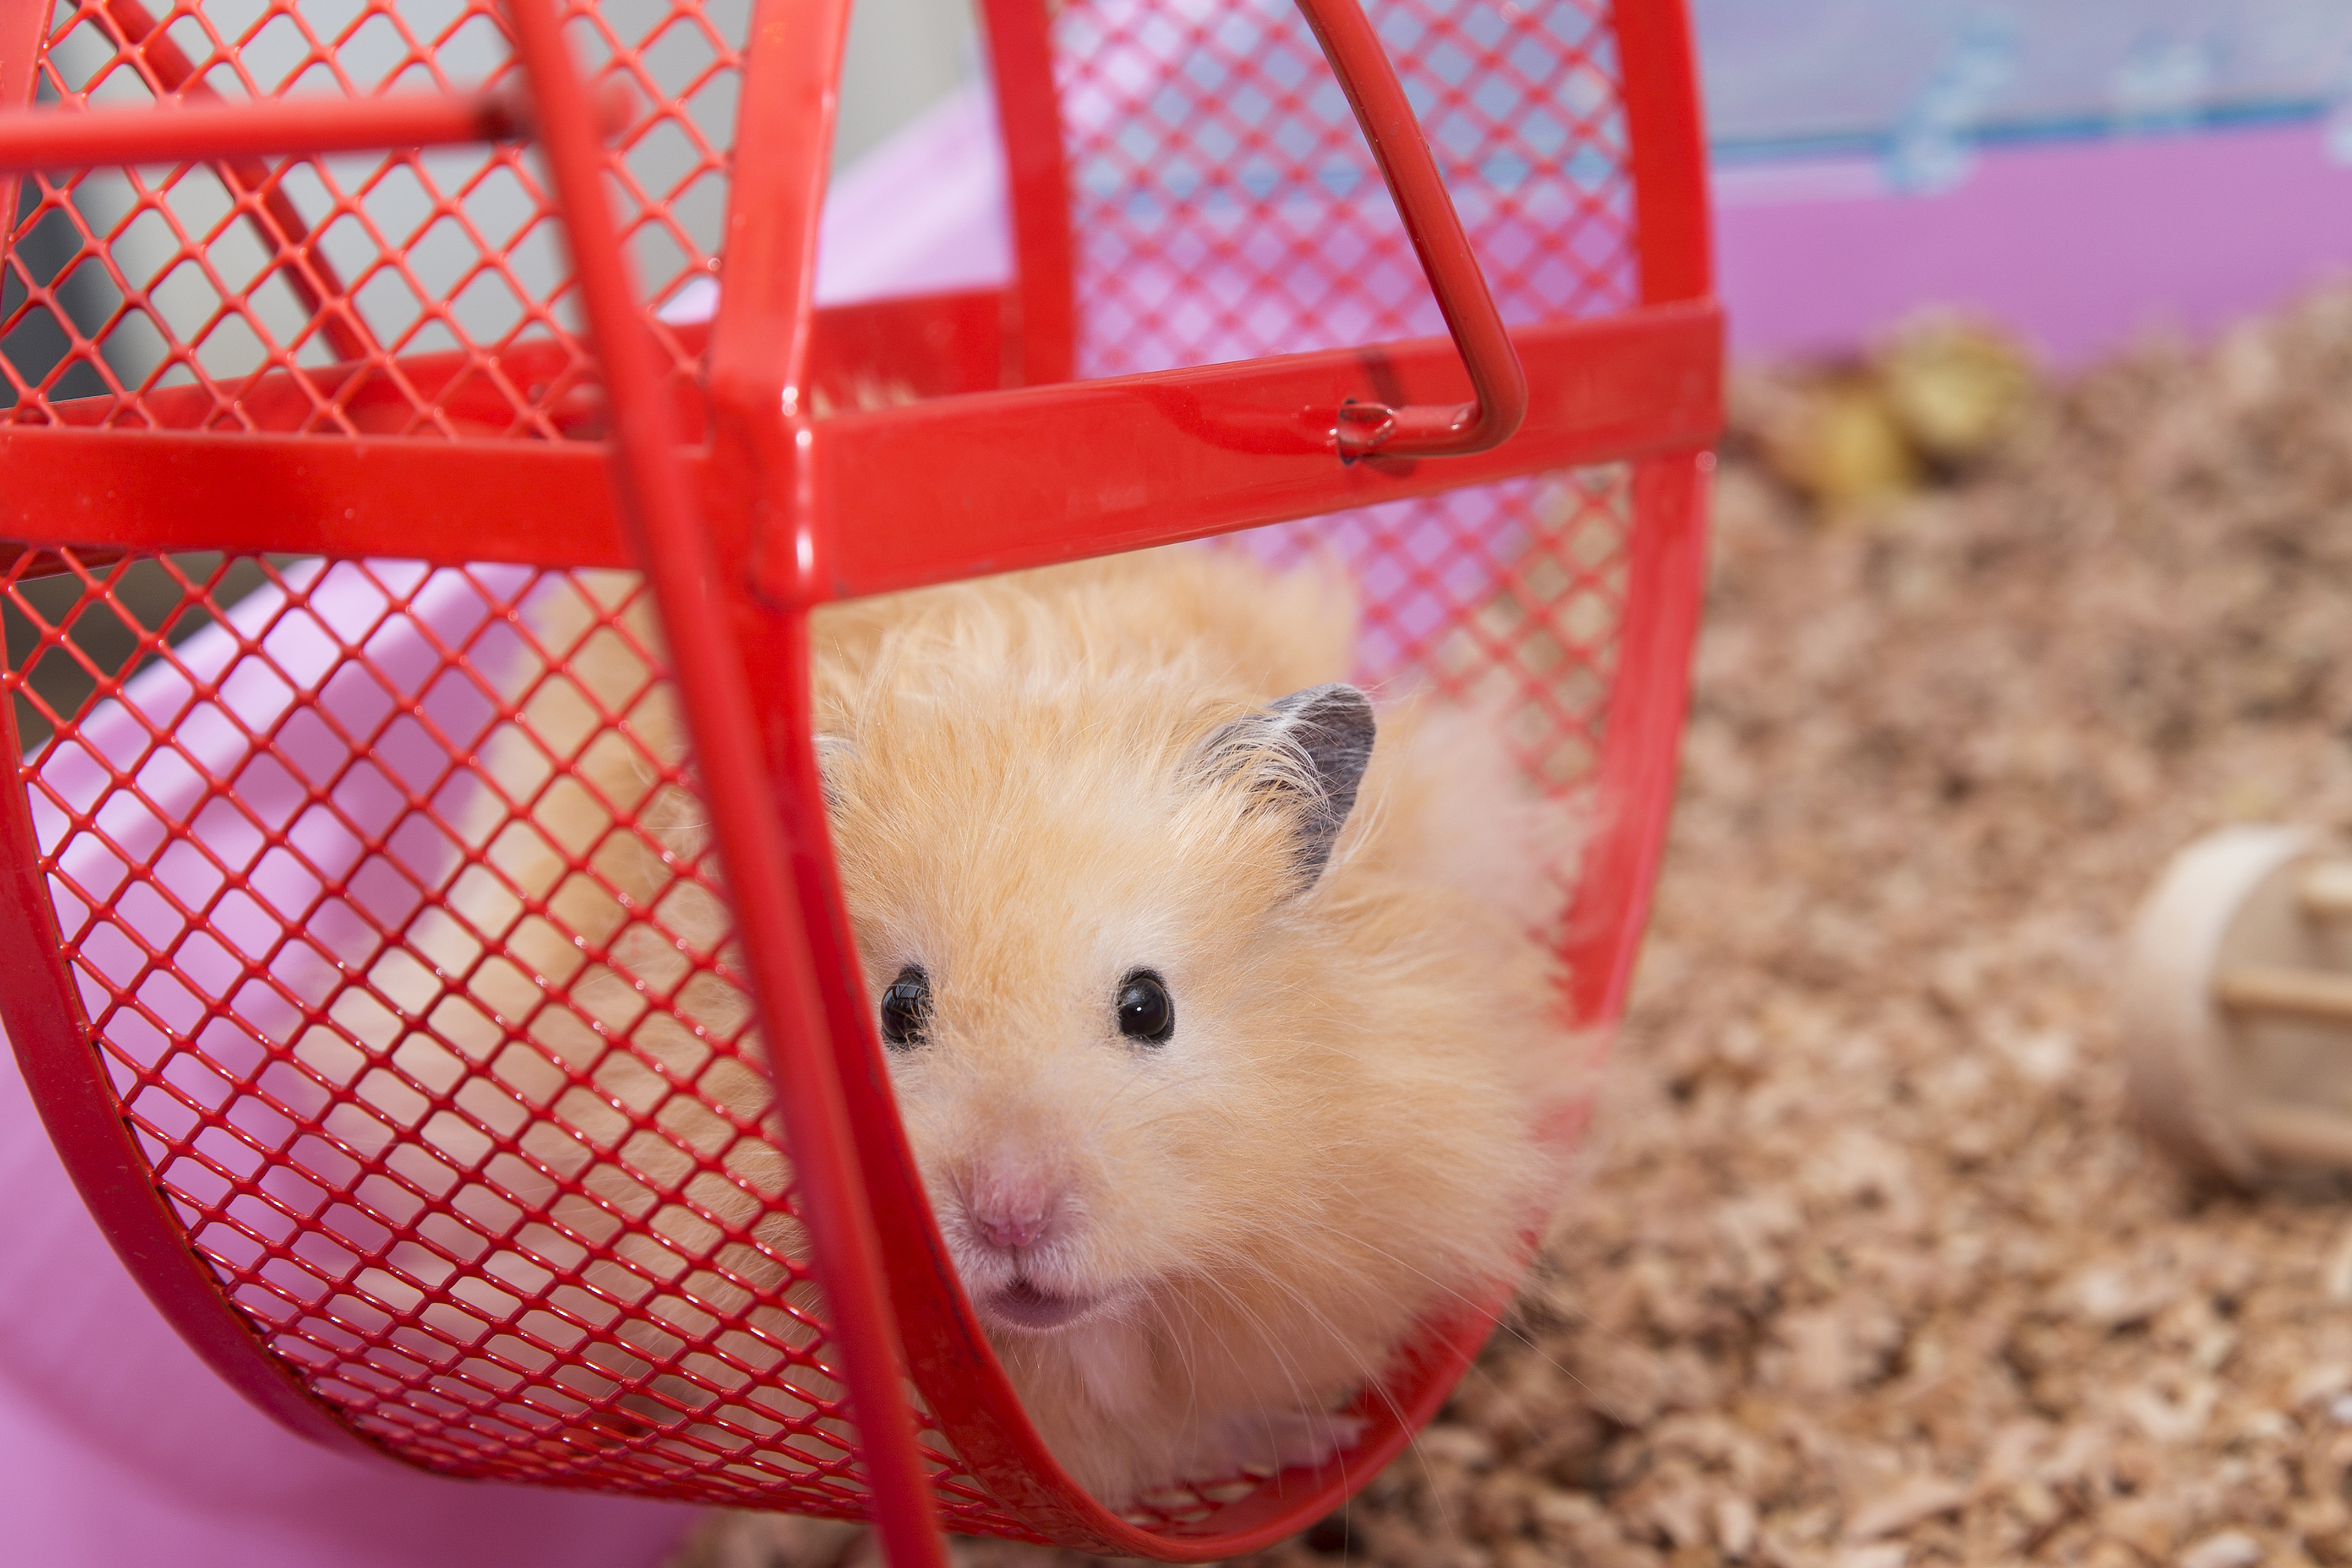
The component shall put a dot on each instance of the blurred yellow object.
(1940, 394)
(1856, 448)
(1956, 386)
(1827, 432)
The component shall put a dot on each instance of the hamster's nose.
(1008, 1231)
(1016, 1218)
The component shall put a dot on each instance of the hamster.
(1214, 999)
(1221, 1066)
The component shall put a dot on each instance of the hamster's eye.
(1146, 1011)
(906, 1008)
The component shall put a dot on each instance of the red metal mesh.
(418, 294)
(1510, 594)
(382, 887)
(409, 1014)
(1226, 207)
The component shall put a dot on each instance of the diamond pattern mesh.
(414, 294)
(1226, 206)
(387, 905)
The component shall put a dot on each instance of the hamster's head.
(1089, 921)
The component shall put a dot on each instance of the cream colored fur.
(1342, 1134)
(1339, 1138)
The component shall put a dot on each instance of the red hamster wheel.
(358, 356)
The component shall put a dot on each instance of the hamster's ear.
(833, 754)
(1307, 752)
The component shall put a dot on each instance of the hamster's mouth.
(1022, 1305)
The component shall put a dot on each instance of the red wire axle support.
(736, 541)
(1499, 386)
(35, 141)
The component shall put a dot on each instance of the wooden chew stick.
(2295, 1136)
(2271, 988)
(2325, 890)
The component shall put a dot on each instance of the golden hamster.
(1212, 1004)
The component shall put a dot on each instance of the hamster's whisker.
(1370, 1373)
(1363, 1365)
(1112, 1103)
(1184, 1343)
(1183, 1347)
(1504, 1326)
(1300, 1399)
(1269, 1338)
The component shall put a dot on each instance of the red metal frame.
(1634, 791)
(1143, 459)
(1666, 138)
(1040, 310)
(33, 139)
(783, 501)
(1498, 401)
(23, 30)
(689, 580)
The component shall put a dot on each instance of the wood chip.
(2230, 1549)
(1920, 1499)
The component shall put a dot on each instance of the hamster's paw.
(1284, 1440)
